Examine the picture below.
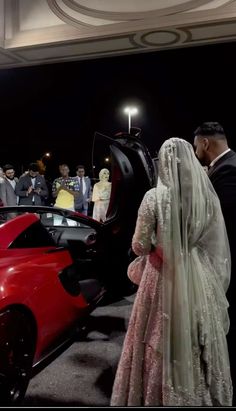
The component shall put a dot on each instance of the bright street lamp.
(45, 156)
(131, 111)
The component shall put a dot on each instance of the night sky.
(59, 107)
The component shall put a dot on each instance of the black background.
(58, 107)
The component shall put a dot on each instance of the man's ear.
(206, 144)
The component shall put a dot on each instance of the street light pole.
(129, 121)
(130, 111)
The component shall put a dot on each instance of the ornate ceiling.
(45, 31)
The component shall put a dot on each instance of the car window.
(48, 219)
(58, 220)
(34, 236)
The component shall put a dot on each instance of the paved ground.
(83, 375)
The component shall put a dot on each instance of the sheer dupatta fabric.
(196, 275)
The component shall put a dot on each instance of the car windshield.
(47, 218)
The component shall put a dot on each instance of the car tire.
(17, 346)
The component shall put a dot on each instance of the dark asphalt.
(83, 374)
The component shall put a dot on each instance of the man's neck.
(222, 154)
(218, 151)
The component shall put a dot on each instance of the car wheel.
(16, 356)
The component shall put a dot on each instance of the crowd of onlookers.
(71, 193)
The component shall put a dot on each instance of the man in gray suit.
(31, 187)
(8, 186)
(84, 197)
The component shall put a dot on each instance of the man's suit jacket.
(7, 193)
(223, 178)
(81, 201)
(22, 186)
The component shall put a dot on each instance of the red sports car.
(41, 296)
(53, 275)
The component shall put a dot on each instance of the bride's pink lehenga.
(139, 375)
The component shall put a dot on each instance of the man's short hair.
(79, 166)
(210, 128)
(33, 167)
(8, 167)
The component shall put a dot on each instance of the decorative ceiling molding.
(216, 4)
(46, 31)
(2, 24)
(73, 11)
(59, 12)
(149, 8)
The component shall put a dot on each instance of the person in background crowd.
(1, 175)
(8, 186)
(65, 188)
(212, 150)
(25, 173)
(82, 200)
(175, 350)
(101, 195)
(64, 191)
(31, 188)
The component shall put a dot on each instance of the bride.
(175, 351)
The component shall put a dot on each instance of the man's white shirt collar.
(218, 157)
(12, 182)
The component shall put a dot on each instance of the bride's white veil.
(196, 275)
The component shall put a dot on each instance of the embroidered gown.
(139, 378)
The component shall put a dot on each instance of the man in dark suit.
(84, 197)
(212, 150)
(31, 187)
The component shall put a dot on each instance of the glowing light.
(131, 111)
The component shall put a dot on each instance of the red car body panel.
(9, 231)
(29, 278)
